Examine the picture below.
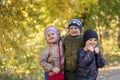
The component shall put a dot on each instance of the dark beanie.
(89, 34)
(75, 22)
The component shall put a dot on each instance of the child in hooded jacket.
(49, 57)
(89, 57)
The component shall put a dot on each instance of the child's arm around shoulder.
(43, 59)
(63, 37)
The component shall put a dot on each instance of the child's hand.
(90, 48)
(97, 50)
(56, 69)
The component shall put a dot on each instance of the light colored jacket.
(49, 57)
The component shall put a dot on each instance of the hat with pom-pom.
(75, 22)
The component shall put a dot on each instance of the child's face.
(91, 42)
(51, 37)
(74, 31)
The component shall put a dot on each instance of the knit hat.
(51, 28)
(89, 34)
(75, 22)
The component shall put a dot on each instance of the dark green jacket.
(71, 46)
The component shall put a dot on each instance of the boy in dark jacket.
(72, 42)
(89, 57)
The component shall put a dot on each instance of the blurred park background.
(22, 23)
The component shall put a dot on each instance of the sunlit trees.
(22, 23)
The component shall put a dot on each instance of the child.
(72, 42)
(51, 58)
(89, 57)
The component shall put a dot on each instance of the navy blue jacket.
(88, 64)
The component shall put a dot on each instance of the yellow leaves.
(25, 14)
(37, 27)
(27, 71)
(43, 9)
(102, 13)
(114, 22)
(24, 24)
(89, 1)
(31, 5)
(25, 0)
(6, 2)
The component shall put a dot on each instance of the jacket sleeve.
(43, 58)
(85, 58)
(100, 61)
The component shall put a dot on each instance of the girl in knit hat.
(51, 58)
(89, 57)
